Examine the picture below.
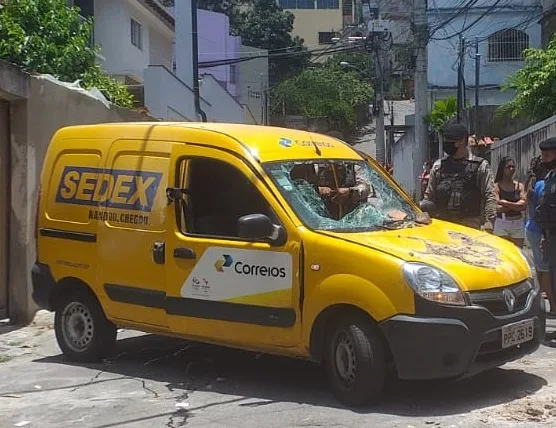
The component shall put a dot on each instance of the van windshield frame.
(369, 203)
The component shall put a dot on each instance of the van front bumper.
(443, 341)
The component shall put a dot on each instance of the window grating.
(507, 45)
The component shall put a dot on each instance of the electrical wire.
(463, 10)
(488, 11)
(231, 61)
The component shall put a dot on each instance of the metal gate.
(4, 204)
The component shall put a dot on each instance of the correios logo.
(247, 269)
(225, 262)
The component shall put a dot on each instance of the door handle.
(159, 253)
(184, 253)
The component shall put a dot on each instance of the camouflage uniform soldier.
(461, 184)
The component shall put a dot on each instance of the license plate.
(519, 332)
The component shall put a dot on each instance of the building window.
(507, 45)
(297, 4)
(328, 4)
(325, 37)
(305, 4)
(233, 74)
(136, 34)
(288, 4)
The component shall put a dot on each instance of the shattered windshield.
(340, 196)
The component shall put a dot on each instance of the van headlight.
(432, 283)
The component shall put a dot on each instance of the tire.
(355, 361)
(82, 331)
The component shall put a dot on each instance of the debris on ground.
(530, 410)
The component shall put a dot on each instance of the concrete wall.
(113, 34)
(523, 146)
(168, 98)
(160, 49)
(35, 114)
(223, 107)
(253, 81)
(443, 54)
(402, 156)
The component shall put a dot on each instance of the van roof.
(267, 143)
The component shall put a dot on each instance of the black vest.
(545, 212)
(458, 194)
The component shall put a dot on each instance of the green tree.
(535, 85)
(360, 63)
(265, 25)
(324, 92)
(45, 36)
(441, 112)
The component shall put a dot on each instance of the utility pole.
(379, 140)
(477, 83)
(390, 134)
(461, 79)
(421, 37)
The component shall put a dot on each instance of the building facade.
(319, 21)
(503, 33)
(140, 47)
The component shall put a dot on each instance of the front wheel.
(82, 331)
(355, 361)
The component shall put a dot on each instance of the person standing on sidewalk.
(461, 184)
(533, 232)
(511, 202)
(545, 212)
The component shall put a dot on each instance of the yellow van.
(272, 240)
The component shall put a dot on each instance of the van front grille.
(497, 301)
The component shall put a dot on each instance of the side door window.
(217, 196)
(249, 284)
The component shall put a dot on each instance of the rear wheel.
(355, 361)
(82, 331)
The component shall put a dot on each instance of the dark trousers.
(549, 255)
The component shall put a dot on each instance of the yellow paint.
(125, 163)
(278, 298)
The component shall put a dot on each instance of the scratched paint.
(464, 249)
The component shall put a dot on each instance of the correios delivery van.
(204, 231)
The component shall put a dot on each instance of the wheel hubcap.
(345, 358)
(77, 326)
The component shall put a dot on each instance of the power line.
(488, 11)
(463, 10)
(231, 61)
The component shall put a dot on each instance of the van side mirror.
(428, 207)
(259, 226)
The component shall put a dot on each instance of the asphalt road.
(160, 382)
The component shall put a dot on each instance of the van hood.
(475, 259)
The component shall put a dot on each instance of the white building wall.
(113, 34)
(223, 107)
(160, 49)
(168, 98)
(402, 156)
(253, 81)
